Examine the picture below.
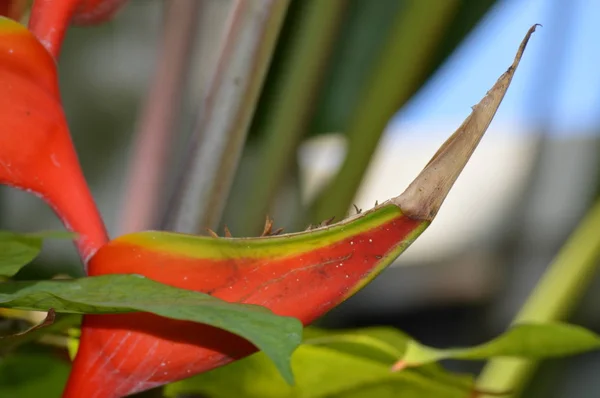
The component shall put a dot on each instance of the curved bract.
(50, 19)
(302, 275)
(36, 152)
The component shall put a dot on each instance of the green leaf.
(349, 363)
(319, 372)
(276, 336)
(532, 341)
(383, 344)
(32, 376)
(18, 250)
(357, 363)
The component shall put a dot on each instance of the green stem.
(295, 81)
(555, 296)
(225, 115)
(409, 48)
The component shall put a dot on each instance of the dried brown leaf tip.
(48, 320)
(226, 231)
(212, 233)
(425, 195)
(268, 228)
(327, 222)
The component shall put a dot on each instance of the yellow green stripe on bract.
(271, 246)
(10, 26)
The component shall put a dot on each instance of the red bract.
(36, 152)
(300, 275)
(50, 18)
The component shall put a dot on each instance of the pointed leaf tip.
(425, 195)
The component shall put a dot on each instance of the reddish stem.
(49, 21)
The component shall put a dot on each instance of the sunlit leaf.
(319, 372)
(532, 341)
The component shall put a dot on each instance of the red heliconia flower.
(36, 151)
(50, 19)
(300, 275)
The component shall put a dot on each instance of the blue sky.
(558, 81)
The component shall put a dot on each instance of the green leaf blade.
(277, 336)
(320, 372)
(16, 251)
(532, 341)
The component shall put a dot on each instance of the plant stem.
(225, 115)
(157, 122)
(282, 115)
(555, 296)
(409, 48)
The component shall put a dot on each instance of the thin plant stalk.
(554, 298)
(225, 116)
(408, 49)
(157, 124)
(289, 106)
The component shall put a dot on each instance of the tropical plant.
(172, 308)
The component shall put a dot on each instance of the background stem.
(554, 298)
(156, 126)
(225, 116)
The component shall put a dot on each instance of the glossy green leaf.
(276, 336)
(532, 341)
(32, 376)
(18, 250)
